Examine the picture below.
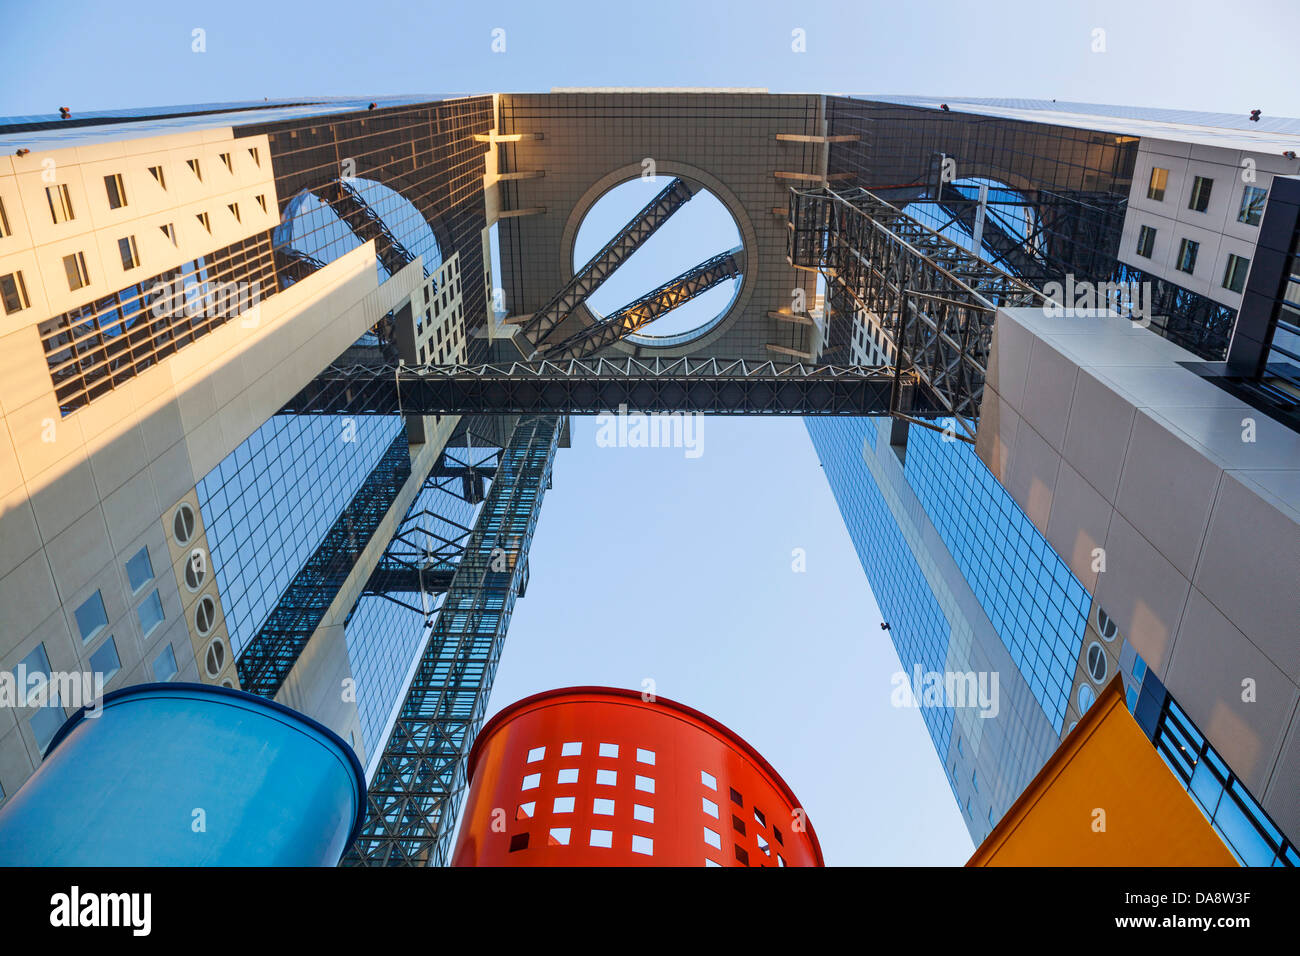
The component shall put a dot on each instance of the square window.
(150, 613)
(567, 775)
(105, 661)
(643, 844)
(91, 617)
(139, 570)
(763, 845)
(164, 665)
(738, 824)
(14, 292)
(45, 723)
(1252, 205)
(643, 813)
(562, 805)
(603, 838)
(531, 781)
(74, 266)
(606, 778)
(518, 842)
(559, 836)
(116, 192)
(708, 862)
(127, 250)
(710, 807)
(1156, 186)
(742, 856)
(536, 754)
(571, 750)
(37, 662)
(645, 756)
(645, 784)
(736, 798)
(609, 750)
(1200, 200)
(603, 806)
(525, 810)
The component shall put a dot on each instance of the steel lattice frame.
(935, 300)
(413, 799)
(635, 315)
(602, 265)
(590, 386)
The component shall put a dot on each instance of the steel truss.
(413, 800)
(603, 264)
(590, 386)
(934, 299)
(267, 659)
(675, 292)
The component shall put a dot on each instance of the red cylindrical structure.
(596, 776)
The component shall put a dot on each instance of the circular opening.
(205, 614)
(183, 523)
(1096, 662)
(196, 569)
(1105, 626)
(214, 658)
(700, 230)
(1086, 698)
(227, 682)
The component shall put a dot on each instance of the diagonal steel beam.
(675, 292)
(603, 264)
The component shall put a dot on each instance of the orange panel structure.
(596, 776)
(1105, 798)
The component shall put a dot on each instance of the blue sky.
(648, 564)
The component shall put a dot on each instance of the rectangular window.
(204, 221)
(150, 613)
(37, 662)
(261, 201)
(1159, 180)
(157, 172)
(1187, 250)
(14, 292)
(1252, 205)
(1146, 241)
(225, 158)
(1200, 200)
(139, 570)
(45, 723)
(105, 660)
(130, 255)
(1234, 276)
(164, 665)
(75, 267)
(194, 165)
(116, 191)
(91, 617)
(252, 151)
(234, 210)
(169, 230)
(60, 203)
(4, 221)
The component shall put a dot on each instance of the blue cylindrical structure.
(187, 775)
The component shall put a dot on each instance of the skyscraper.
(274, 421)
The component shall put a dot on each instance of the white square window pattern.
(643, 844)
(562, 805)
(646, 784)
(531, 781)
(643, 813)
(603, 838)
(645, 756)
(573, 749)
(603, 806)
(606, 778)
(708, 780)
(567, 775)
(560, 836)
(609, 750)
(710, 807)
(712, 839)
(536, 754)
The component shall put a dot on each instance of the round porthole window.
(1086, 698)
(214, 658)
(1105, 626)
(196, 569)
(183, 523)
(227, 682)
(1096, 662)
(205, 614)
